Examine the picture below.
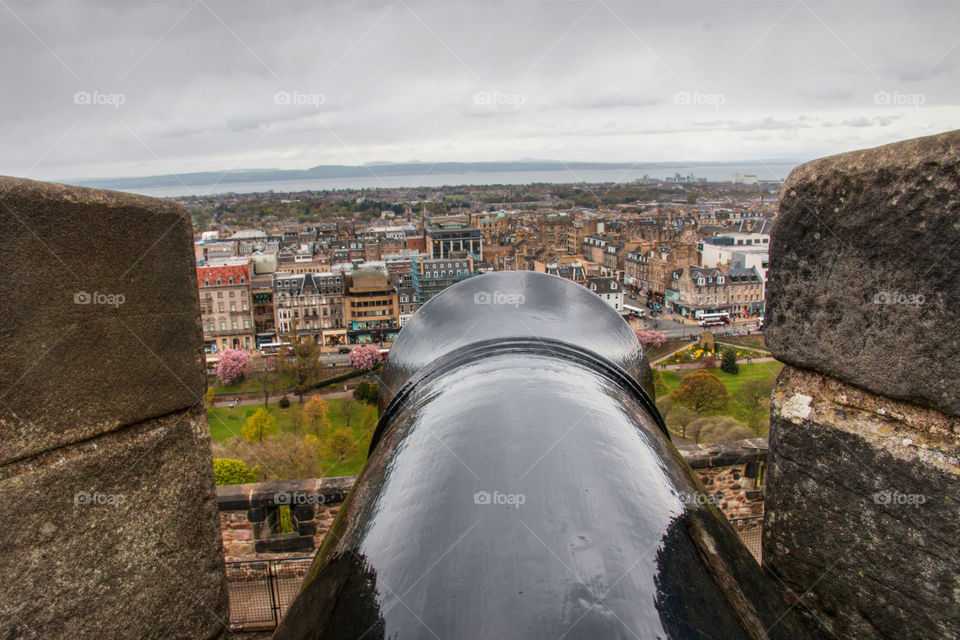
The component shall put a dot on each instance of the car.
(343, 350)
(633, 296)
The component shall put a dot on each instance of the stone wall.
(733, 474)
(106, 476)
(863, 496)
(249, 516)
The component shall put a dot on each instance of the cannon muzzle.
(521, 484)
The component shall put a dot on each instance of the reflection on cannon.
(521, 485)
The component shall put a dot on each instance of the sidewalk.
(276, 398)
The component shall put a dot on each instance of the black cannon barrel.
(521, 485)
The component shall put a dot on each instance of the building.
(430, 276)
(225, 307)
(745, 291)
(445, 236)
(264, 316)
(311, 304)
(370, 307)
(408, 305)
(608, 289)
(697, 290)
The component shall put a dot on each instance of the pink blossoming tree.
(232, 365)
(651, 338)
(364, 358)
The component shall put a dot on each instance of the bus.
(718, 318)
(271, 348)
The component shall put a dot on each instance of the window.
(218, 282)
(233, 324)
(223, 325)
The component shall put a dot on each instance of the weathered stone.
(862, 513)
(114, 538)
(282, 544)
(106, 478)
(75, 360)
(303, 512)
(863, 282)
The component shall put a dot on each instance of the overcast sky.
(126, 88)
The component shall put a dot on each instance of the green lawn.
(227, 423)
(277, 383)
(753, 371)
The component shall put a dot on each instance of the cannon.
(521, 484)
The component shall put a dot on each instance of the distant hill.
(368, 170)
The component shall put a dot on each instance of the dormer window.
(218, 281)
(230, 280)
(719, 279)
(206, 282)
(700, 281)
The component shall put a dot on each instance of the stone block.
(863, 279)
(862, 509)
(114, 538)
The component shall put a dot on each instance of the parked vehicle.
(343, 350)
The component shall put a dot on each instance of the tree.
(680, 418)
(259, 426)
(651, 338)
(728, 361)
(754, 396)
(364, 357)
(340, 443)
(701, 391)
(315, 410)
(366, 392)
(299, 359)
(232, 365)
(719, 429)
(660, 388)
(263, 376)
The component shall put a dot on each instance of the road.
(687, 329)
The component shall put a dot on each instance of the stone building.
(308, 303)
(225, 306)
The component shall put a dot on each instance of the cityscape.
(406, 319)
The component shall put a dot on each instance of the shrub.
(284, 456)
(718, 429)
(729, 361)
(284, 402)
(232, 365)
(231, 471)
